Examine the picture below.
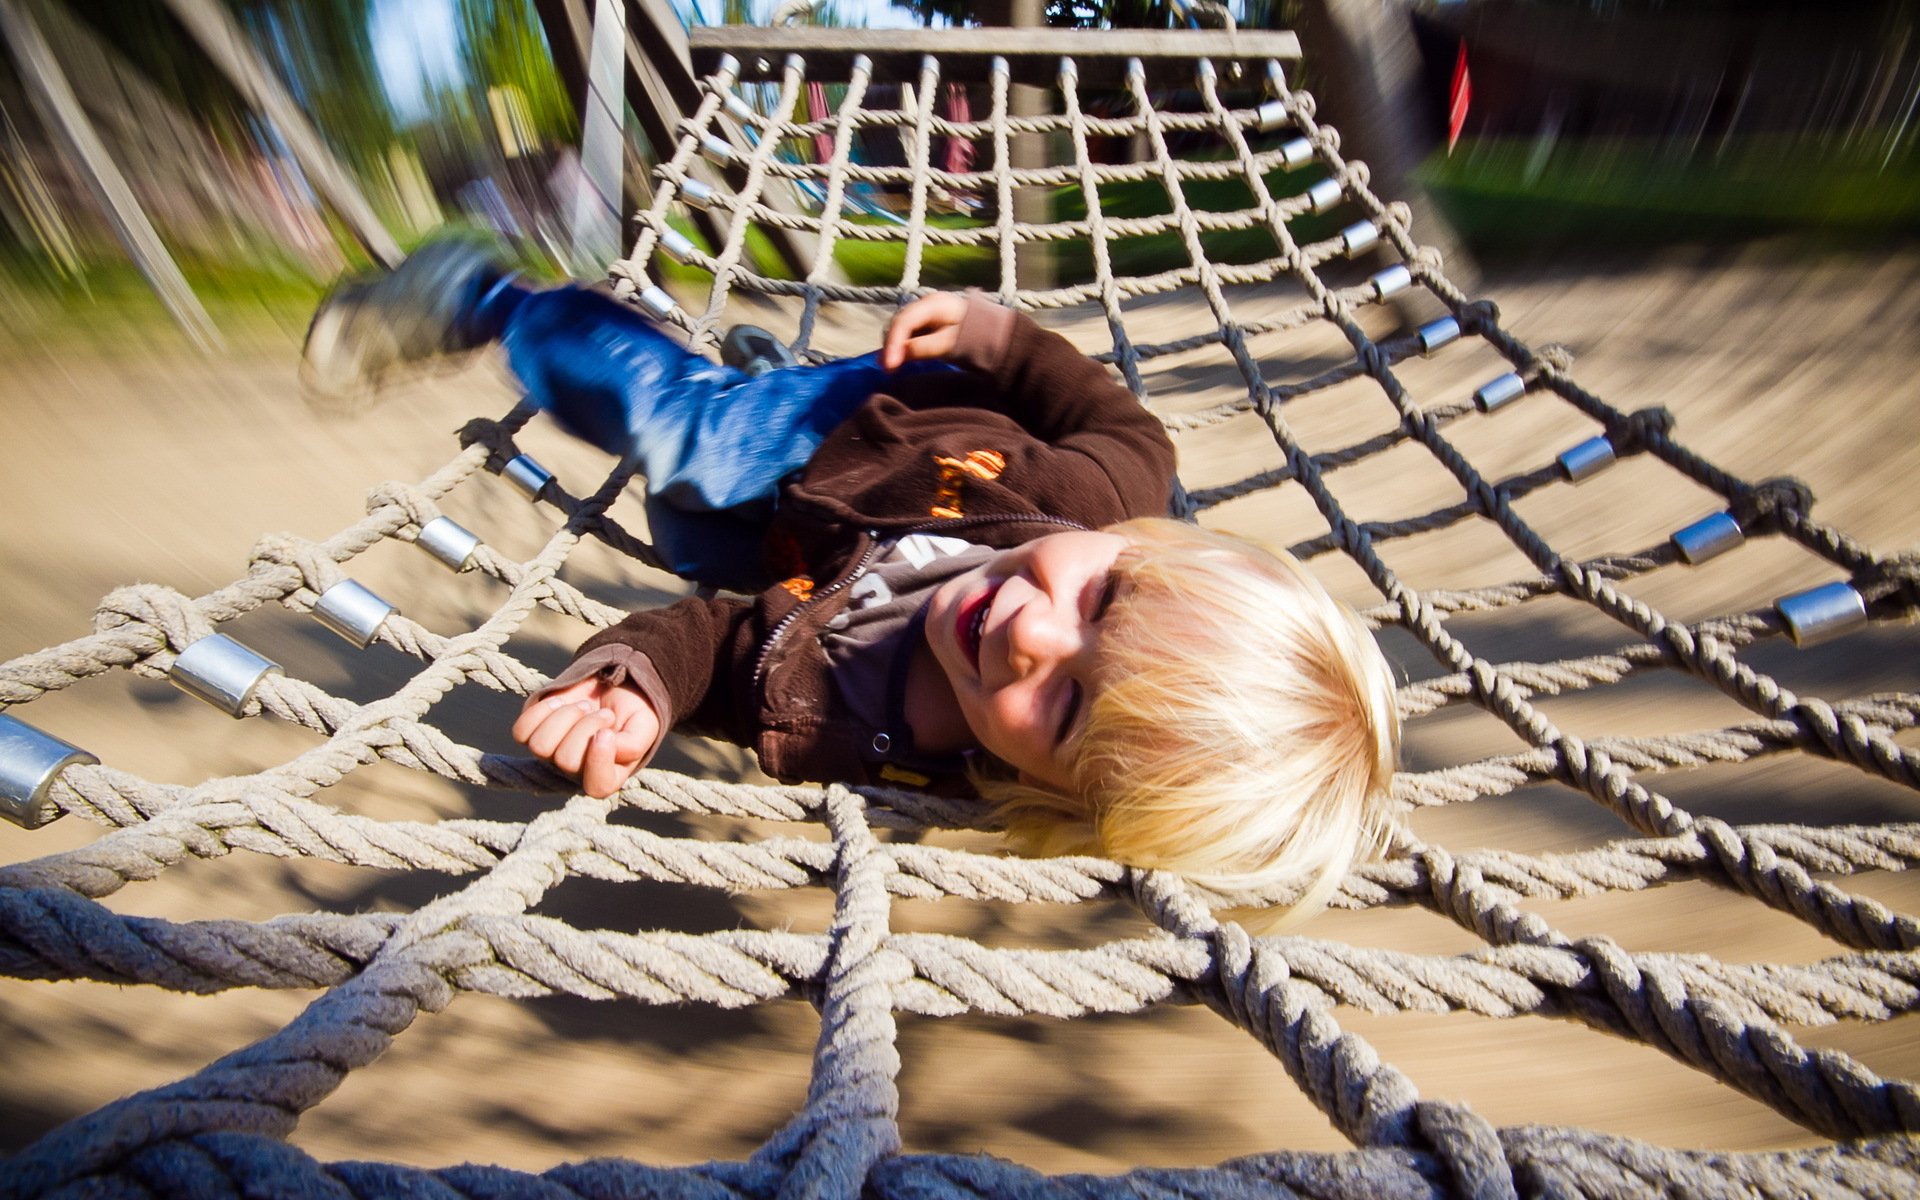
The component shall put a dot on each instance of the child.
(978, 587)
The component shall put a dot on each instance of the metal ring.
(528, 477)
(676, 245)
(1325, 194)
(716, 148)
(1296, 153)
(1272, 115)
(1818, 614)
(354, 612)
(1499, 392)
(1390, 282)
(449, 541)
(1586, 460)
(693, 192)
(30, 761)
(1357, 237)
(220, 671)
(1435, 334)
(1709, 537)
(658, 304)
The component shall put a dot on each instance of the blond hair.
(1243, 733)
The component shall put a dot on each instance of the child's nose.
(1042, 635)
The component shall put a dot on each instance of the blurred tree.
(324, 54)
(505, 46)
(149, 38)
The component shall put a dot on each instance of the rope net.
(222, 1129)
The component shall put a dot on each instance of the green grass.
(1508, 193)
(109, 298)
(881, 263)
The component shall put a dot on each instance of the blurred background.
(1713, 203)
(1524, 126)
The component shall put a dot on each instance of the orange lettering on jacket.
(984, 465)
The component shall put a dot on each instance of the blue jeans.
(713, 442)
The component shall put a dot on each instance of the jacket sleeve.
(1070, 402)
(691, 649)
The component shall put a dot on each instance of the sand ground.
(128, 458)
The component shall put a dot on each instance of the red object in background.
(1459, 95)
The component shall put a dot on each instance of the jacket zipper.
(866, 559)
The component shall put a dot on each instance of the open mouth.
(970, 623)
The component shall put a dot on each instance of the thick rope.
(221, 1129)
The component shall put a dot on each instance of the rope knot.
(317, 569)
(1555, 359)
(1631, 434)
(498, 440)
(1478, 316)
(1765, 505)
(161, 609)
(1893, 580)
(418, 508)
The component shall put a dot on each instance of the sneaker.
(752, 349)
(365, 329)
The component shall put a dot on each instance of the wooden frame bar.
(1033, 55)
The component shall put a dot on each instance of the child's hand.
(927, 328)
(592, 730)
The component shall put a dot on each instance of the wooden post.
(1034, 262)
(660, 88)
(61, 110)
(595, 222)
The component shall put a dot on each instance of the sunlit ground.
(129, 457)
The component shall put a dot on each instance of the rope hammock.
(221, 1130)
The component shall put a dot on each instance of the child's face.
(1018, 638)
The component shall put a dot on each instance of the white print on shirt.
(918, 549)
(922, 548)
(867, 591)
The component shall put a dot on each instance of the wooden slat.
(1033, 55)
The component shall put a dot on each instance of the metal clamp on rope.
(1586, 460)
(30, 761)
(717, 149)
(449, 541)
(695, 193)
(354, 612)
(220, 671)
(1437, 333)
(1296, 153)
(1325, 194)
(741, 110)
(676, 245)
(528, 477)
(1821, 613)
(1497, 393)
(1390, 282)
(1272, 115)
(1357, 237)
(656, 302)
(1709, 537)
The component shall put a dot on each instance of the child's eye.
(1108, 590)
(1071, 716)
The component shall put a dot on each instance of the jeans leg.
(709, 439)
